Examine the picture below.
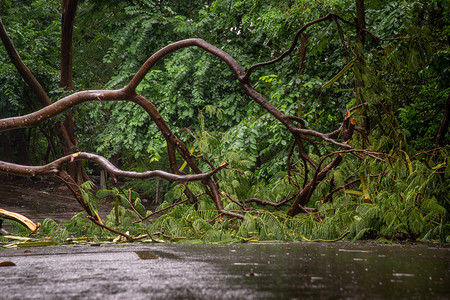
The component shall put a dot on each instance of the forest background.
(388, 84)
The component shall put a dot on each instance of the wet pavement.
(209, 271)
(227, 271)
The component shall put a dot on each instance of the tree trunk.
(24, 156)
(5, 144)
(443, 129)
(302, 63)
(103, 178)
(360, 21)
(65, 130)
(69, 10)
(159, 192)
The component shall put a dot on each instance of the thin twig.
(342, 187)
(129, 201)
(128, 237)
(268, 203)
(234, 201)
(161, 210)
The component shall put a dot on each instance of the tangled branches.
(300, 134)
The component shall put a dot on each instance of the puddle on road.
(402, 275)
(146, 255)
(354, 250)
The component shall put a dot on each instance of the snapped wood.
(19, 218)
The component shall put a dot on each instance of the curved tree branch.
(60, 106)
(128, 93)
(239, 73)
(53, 168)
(228, 59)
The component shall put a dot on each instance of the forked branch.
(128, 93)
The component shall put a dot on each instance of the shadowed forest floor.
(39, 199)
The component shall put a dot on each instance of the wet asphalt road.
(231, 271)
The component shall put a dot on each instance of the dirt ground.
(38, 198)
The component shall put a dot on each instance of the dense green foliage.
(405, 84)
(404, 205)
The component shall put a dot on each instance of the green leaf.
(19, 238)
(365, 190)
(139, 207)
(353, 192)
(37, 244)
(340, 74)
(408, 161)
(104, 193)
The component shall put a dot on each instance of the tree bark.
(159, 192)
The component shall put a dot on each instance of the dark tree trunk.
(69, 10)
(5, 143)
(17, 140)
(22, 143)
(302, 63)
(65, 130)
(360, 21)
(443, 129)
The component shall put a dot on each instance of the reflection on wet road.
(232, 271)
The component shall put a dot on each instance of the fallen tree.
(314, 170)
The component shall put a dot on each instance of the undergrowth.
(405, 200)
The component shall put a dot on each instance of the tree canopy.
(320, 117)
